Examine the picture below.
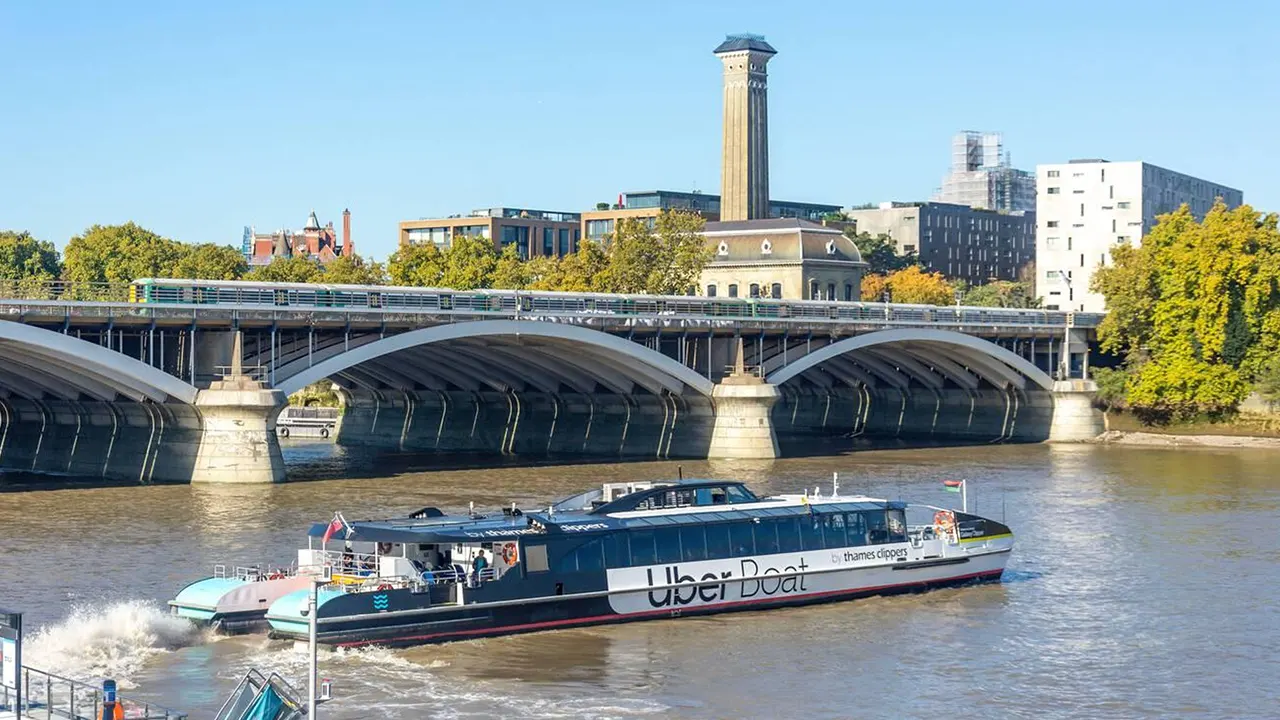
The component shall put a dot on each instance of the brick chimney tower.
(347, 249)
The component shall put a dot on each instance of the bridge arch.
(35, 363)
(501, 354)
(892, 356)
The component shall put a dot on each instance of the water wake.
(114, 641)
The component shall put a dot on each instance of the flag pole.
(964, 496)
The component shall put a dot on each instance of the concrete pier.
(1075, 419)
(743, 426)
(239, 443)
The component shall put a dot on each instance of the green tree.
(510, 272)
(880, 252)
(416, 265)
(1267, 384)
(297, 268)
(544, 273)
(119, 254)
(1001, 293)
(209, 261)
(354, 270)
(665, 259)
(584, 270)
(26, 263)
(1112, 386)
(469, 263)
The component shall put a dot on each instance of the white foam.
(114, 641)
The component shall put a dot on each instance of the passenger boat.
(235, 599)
(625, 552)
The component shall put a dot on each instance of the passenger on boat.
(478, 565)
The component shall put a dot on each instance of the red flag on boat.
(334, 526)
(953, 485)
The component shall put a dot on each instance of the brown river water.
(1145, 583)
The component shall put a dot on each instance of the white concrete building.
(1086, 207)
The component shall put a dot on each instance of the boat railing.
(917, 534)
(46, 695)
(253, 572)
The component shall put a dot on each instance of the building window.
(517, 235)
(1122, 205)
(1053, 190)
(564, 241)
(733, 291)
(1122, 240)
(711, 291)
(1078, 191)
(1081, 209)
(754, 290)
(548, 241)
(848, 292)
(813, 289)
(597, 229)
(831, 291)
(1052, 224)
(1054, 173)
(777, 291)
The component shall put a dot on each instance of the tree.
(1195, 310)
(297, 269)
(1267, 384)
(544, 273)
(416, 265)
(874, 287)
(666, 258)
(1112, 386)
(1001, 293)
(119, 254)
(469, 263)
(583, 271)
(917, 287)
(510, 272)
(209, 261)
(880, 252)
(354, 270)
(24, 258)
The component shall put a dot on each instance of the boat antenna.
(835, 484)
(817, 491)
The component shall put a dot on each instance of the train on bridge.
(506, 302)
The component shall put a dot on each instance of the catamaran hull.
(233, 606)
(401, 624)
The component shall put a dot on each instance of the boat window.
(590, 556)
(693, 543)
(642, 552)
(742, 539)
(856, 527)
(897, 525)
(718, 541)
(877, 529)
(668, 541)
(712, 496)
(788, 534)
(811, 532)
(738, 494)
(617, 551)
(833, 531)
(766, 536)
(535, 558)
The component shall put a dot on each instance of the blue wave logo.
(380, 601)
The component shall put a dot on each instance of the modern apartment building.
(982, 175)
(533, 232)
(1086, 207)
(649, 204)
(959, 241)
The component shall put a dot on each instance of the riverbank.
(1150, 439)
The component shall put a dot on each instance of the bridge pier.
(239, 443)
(743, 427)
(1075, 419)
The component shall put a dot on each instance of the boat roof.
(450, 529)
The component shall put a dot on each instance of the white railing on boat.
(253, 573)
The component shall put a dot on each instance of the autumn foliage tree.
(1195, 311)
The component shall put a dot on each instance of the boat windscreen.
(580, 501)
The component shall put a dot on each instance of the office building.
(320, 243)
(982, 176)
(648, 204)
(961, 242)
(533, 232)
(1086, 207)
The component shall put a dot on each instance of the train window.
(446, 302)
(375, 300)
(526, 304)
(282, 298)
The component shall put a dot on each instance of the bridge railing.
(46, 695)
(188, 294)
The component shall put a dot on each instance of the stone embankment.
(1120, 437)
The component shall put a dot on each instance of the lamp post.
(312, 670)
(1065, 356)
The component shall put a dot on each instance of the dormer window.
(766, 248)
(831, 247)
(723, 249)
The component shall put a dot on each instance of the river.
(1143, 584)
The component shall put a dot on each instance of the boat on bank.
(626, 552)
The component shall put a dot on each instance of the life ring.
(944, 521)
(284, 432)
(275, 576)
(324, 432)
(384, 587)
(510, 554)
(384, 548)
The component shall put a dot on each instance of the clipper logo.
(380, 602)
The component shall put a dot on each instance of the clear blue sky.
(196, 119)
